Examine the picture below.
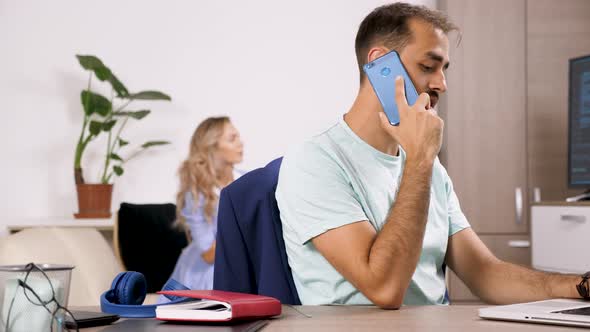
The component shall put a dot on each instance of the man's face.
(426, 59)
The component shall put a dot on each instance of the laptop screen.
(578, 311)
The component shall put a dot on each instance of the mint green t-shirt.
(336, 179)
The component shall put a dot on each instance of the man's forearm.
(396, 250)
(505, 283)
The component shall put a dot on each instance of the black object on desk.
(90, 319)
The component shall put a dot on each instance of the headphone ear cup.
(117, 280)
(112, 294)
(131, 288)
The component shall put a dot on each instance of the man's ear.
(376, 52)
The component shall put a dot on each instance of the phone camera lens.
(385, 71)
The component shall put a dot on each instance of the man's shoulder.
(440, 177)
(313, 149)
(438, 166)
(314, 158)
(310, 154)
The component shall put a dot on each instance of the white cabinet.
(559, 236)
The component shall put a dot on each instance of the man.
(369, 214)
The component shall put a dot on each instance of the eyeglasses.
(39, 291)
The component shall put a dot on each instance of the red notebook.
(217, 306)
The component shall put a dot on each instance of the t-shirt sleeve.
(457, 220)
(314, 194)
(202, 231)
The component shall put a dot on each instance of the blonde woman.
(214, 150)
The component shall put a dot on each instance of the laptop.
(558, 312)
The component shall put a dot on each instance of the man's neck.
(363, 119)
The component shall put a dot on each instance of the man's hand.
(420, 130)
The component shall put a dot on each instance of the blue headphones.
(127, 293)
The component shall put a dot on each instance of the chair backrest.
(148, 242)
(250, 255)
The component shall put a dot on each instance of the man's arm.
(381, 265)
(498, 282)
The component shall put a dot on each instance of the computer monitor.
(579, 123)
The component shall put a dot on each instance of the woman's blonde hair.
(197, 173)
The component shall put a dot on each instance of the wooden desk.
(461, 318)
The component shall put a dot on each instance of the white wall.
(282, 71)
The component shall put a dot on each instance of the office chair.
(250, 255)
(146, 241)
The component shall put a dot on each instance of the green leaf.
(90, 62)
(95, 103)
(116, 157)
(95, 127)
(149, 95)
(122, 142)
(138, 115)
(107, 126)
(103, 73)
(119, 88)
(118, 170)
(153, 143)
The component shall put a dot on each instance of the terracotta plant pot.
(94, 200)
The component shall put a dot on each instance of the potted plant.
(106, 116)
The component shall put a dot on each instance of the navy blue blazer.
(250, 254)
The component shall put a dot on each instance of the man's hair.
(388, 25)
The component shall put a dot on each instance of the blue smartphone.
(382, 73)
